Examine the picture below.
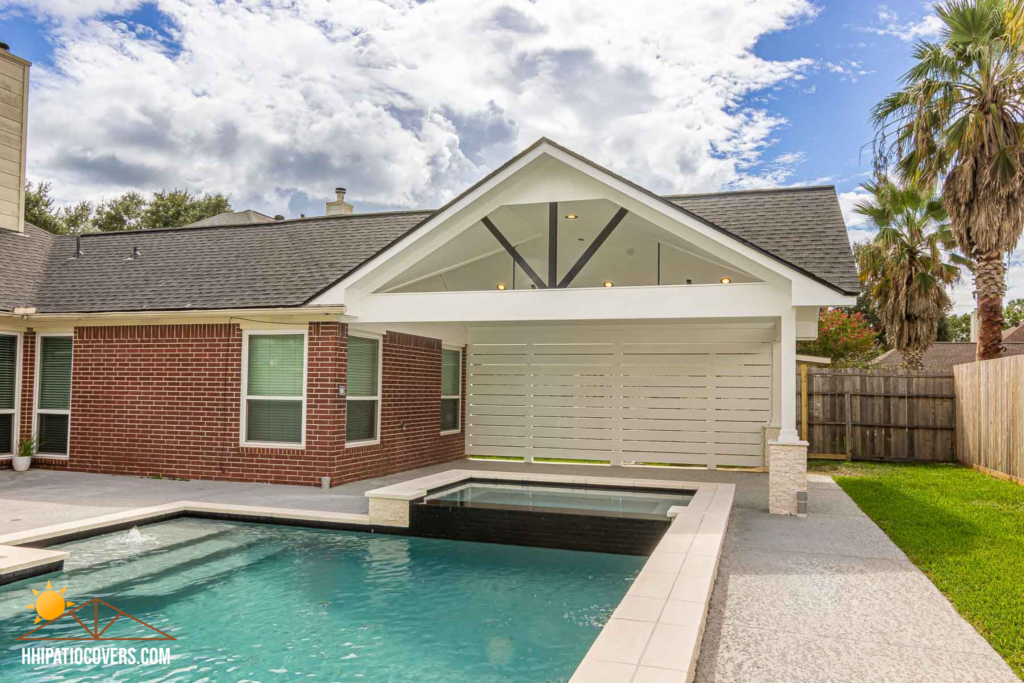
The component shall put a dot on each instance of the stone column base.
(770, 434)
(787, 476)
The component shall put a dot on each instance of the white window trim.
(36, 411)
(458, 429)
(244, 408)
(14, 412)
(379, 398)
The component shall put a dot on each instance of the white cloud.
(926, 27)
(848, 202)
(405, 103)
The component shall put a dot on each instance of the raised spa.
(637, 503)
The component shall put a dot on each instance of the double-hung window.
(451, 390)
(53, 394)
(275, 389)
(362, 407)
(8, 393)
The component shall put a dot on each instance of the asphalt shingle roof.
(247, 217)
(277, 264)
(801, 226)
(23, 257)
(944, 355)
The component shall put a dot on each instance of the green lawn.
(964, 529)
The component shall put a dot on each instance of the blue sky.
(407, 103)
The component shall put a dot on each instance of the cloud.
(925, 27)
(403, 102)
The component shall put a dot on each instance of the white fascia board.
(746, 300)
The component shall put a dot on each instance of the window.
(362, 408)
(8, 393)
(451, 390)
(53, 395)
(275, 389)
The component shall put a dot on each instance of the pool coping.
(654, 634)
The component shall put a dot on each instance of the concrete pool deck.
(826, 598)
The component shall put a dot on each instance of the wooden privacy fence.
(883, 414)
(990, 416)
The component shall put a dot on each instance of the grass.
(963, 529)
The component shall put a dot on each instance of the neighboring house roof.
(801, 225)
(1014, 334)
(23, 257)
(944, 355)
(270, 264)
(247, 217)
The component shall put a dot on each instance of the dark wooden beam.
(520, 261)
(592, 249)
(553, 243)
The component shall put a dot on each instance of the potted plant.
(23, 458)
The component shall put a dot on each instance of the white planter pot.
(21, 464)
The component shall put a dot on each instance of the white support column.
(787, 456)
(787, 368)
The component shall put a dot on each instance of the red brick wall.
(165, 400)
(410, 423)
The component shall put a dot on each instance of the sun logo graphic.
(49, 604)
(95, 616)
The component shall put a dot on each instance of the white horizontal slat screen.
(619, 395)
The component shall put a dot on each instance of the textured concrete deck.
(824, 599)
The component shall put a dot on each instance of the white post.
(787, 328)
(787, 456)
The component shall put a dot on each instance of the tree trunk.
(989, 287)
(913, 359)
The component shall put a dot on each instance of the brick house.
(554, 310)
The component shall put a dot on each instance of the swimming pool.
(263, 603)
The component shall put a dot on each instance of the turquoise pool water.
(251, 602)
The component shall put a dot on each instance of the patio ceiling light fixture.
(725, 280)
(501, 286)
(571, 216)
(609, 283)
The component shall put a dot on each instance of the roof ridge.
(372, 214)
(762, 190)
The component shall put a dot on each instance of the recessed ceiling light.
(609, 283)
(571, 216)
(725, 280)
(501, 286)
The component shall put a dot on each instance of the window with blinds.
(8, 392)
(274, 395)
(53, 395)
(451, 389)
(362, 406)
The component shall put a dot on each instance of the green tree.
(954, 328)
(1013, 314)
(909, 266)
(958, 119)
(39, 209)
(844, 337)
(120, 213)
(75, 220)
(179, 207)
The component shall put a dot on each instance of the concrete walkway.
(824, 599)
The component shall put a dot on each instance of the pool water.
(250, 602)
(621, 502)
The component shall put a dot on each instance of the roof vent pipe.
(135, 254)
(78, 248)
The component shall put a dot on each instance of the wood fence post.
(803, 404)
(849, 428)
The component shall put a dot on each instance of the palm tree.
(909, 265)
(958, 119)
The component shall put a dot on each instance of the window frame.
(244, 390)
(36, 410)
(379, 398)
(458, 414)
(15, 412)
